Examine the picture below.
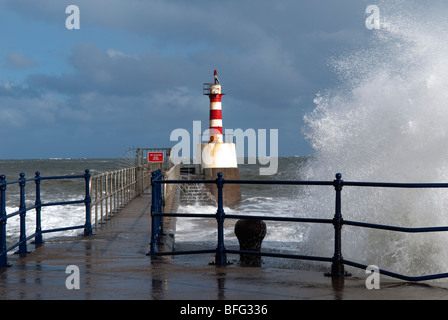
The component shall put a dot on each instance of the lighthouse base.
(231, 192)
(221, 157)
(218, 155)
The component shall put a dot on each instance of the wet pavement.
(113, 265)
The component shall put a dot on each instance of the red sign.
(155, 156)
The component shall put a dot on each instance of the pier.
(113, 264)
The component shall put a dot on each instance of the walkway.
(113, 265)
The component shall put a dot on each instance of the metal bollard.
(250, 234)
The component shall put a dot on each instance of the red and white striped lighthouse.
(216, 155)
(213, 90)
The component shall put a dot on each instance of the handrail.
(337, 261)
(113, 190)
(38, 204)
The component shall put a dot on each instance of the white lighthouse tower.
(217, 155)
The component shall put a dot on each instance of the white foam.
(51, 218)
(388, 122)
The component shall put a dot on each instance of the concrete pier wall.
(231, 192)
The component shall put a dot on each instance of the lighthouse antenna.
(216, 77)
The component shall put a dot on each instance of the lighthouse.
(217, 155)
(213, 90)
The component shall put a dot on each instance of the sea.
(257, 199)
(385, 119)
(272, 200)
(410, 254)
(51, 191)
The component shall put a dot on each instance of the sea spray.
(387, 121)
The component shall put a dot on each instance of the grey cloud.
(274, 42)
(271, 57)
(17, 61)
(118, 74)
(219, 24)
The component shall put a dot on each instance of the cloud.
(17, 61)
(272, 42)
(112, 72)
(271, 58)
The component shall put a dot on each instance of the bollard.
(250, 234)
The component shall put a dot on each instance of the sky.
(133, 71)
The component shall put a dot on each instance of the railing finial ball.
(338, 176)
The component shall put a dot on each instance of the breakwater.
(37, 208)
(113, 265)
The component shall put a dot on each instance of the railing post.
(88, 202)
(3, 253)
(337, 267)
(22, 213)
(106, 198)
(102, 196)
(155, 208)
(97, 221)
(38, 237)
(220, 257)
(111, 195)
(160, 200)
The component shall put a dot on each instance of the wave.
(388, 121)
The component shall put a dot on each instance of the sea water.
(51, 191)
(388, 121)
(267, 200)
(385, 121)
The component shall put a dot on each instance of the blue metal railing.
(337, 261)
(38, 204)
